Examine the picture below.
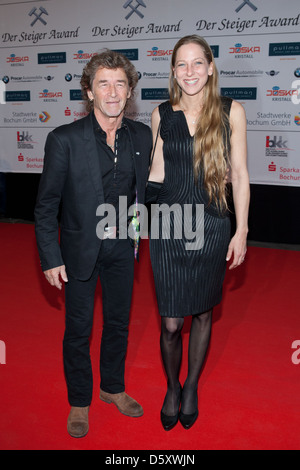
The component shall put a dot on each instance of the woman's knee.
(203, 319)
(172, 326)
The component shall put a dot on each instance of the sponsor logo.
(296, 92)
(271, 119)
(69, 77)
(83, 57)
(21, 118)
(159, 94)
(12, 96)
(272, 73)
(243, 52)
(24, 140)
(276, 146)
(75, 95)
(44, 117)
(215, 51)
(276, 142)
(13, 59)
(272, 167)
(285, 173)
(144, 116)
(131, 54)
(154, 75)
(75, 114)
(278, 94)
(159, 54)
(284, 49)
(31, 162)
(289, 173)
(247, 93)
(22, 79)
(297, 72)
(241, 73)
(46, 58)
(50, 96)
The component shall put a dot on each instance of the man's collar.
(96, 125)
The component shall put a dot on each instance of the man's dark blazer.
(72, 178)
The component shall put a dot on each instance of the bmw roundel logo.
(297, 72)
(68, 77)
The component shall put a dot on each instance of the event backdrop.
(45, 44)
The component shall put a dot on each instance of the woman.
(199, 136)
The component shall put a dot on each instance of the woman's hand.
(237, 249)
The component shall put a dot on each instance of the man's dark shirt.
(117, 168)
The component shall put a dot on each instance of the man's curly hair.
(109, 60)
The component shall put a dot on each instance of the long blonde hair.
(210, 139)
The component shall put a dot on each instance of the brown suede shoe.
(125, 404)
(78, 421)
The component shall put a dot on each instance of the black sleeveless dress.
(188, 269)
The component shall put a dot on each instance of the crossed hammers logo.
(246, 2)
(38, 16)
(140, 3)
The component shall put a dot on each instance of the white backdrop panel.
(44, 46)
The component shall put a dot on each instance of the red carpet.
(249, 389)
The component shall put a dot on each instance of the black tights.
(171, 350)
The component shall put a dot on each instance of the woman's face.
(191, 69)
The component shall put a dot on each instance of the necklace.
(111, 146)
(195, 119)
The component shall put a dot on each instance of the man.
(89, 163)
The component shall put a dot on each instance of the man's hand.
(52, 276)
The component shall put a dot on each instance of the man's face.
(110, 92)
